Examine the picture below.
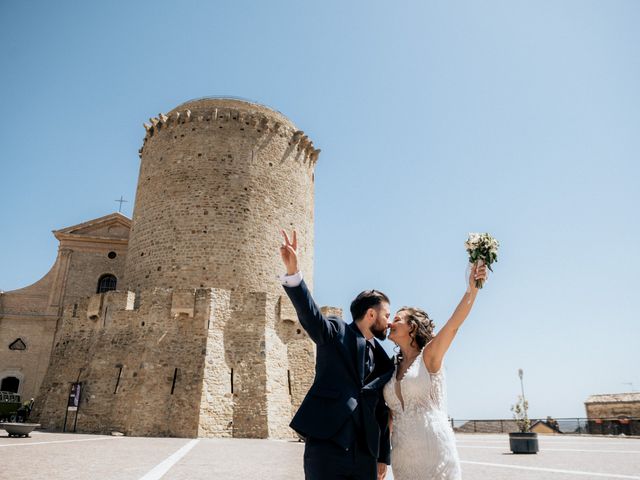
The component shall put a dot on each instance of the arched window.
(10, 384)
(107, 283)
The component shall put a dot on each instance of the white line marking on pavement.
(57, 441)
(563, 441)
(555, 449)
(163, 467)
(553, 470)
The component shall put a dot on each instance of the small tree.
(520, 414)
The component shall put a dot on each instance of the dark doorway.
(10, 384)
(623, 427)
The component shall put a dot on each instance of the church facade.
(90, 258)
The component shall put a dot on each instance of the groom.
(343, 417)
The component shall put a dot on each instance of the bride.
(422, 440)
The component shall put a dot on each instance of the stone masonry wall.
(24, 314)
(613, 409)
(86, 268)
(216, 403)
(128, 359)
(31, 300)
(28, 365)
(242, 368)
(290, 361)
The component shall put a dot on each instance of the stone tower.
(218, 177)
(200, 340)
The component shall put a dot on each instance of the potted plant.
(523, 441)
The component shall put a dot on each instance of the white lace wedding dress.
(423, 446)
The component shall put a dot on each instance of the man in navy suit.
(343, 417)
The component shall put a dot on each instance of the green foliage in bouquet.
(482, 247)
(520, 414)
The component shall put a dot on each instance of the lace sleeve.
(438, 391)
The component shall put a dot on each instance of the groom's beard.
(379, 334)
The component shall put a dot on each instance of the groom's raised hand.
(289, 253)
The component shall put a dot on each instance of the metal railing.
(578, 425)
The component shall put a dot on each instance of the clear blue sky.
(435, 118)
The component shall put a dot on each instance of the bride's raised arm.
(435, 350)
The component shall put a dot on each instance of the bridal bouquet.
(482, 247)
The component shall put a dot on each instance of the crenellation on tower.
(260, 122)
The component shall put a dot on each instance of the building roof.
(555, 427)
(614, 398)
(204, 105)
(112, 228)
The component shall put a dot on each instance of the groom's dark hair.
(366, 300)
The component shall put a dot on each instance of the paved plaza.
(484, 457)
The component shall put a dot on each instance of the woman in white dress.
(422, 440)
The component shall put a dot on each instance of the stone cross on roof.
(121, 200)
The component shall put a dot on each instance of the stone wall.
(142, 368)
(25, 314)
(31, 300)
(217, 400)
(86, 268)
(28, 365)
(205, 362)
(613, 409)
(487, 426)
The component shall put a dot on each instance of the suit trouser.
(326, 460)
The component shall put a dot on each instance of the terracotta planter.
(523, 442)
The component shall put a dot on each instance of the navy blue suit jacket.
(341, 405)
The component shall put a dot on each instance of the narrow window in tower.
(173, 384)
(75, 310)
(231, 379)
(289, 381)
(115, 390)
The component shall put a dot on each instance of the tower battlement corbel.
(258, 121)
